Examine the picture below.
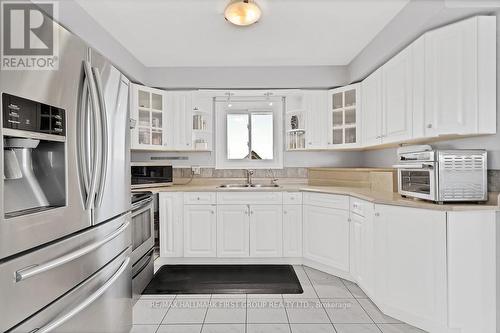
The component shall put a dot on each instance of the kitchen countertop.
(385, 198)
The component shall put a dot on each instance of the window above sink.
(249, 132)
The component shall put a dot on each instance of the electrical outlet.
(196, 170)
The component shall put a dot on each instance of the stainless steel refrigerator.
(65, 237)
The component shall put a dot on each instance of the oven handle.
(33, 270)
(424, 166)
(136, 206)
(88, 301)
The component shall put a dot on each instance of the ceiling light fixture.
(242, 12)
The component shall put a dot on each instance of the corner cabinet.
(460, 78)
(171, 224)
(170, 120)
(344, 117)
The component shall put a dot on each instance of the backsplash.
(494, 180)
(292, 172)
(241, 173)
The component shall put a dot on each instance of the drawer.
(199, 198)
(360, 207)
(292, 198)
(327, 200)
(250, 198)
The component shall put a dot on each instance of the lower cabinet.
(410, 259)
(266, 230)
(200, 226)
(326, 236)
(171, 208)
(233, 231)
(292, 230)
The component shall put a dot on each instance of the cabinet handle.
(213, 212)
(309, 143)
(429, 126)
(251, 212)
(349, 220)
(377, 214)
(284, 212)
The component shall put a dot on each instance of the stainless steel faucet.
(249, 177)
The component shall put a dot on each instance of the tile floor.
(328, 305)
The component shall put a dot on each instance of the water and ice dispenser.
(34, 148)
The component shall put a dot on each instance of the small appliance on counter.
(146, 175)
(142, 241)
(441, 176)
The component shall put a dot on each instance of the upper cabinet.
(344, 114)
(148, 118)
(443, 84)
(170, 120)
(460, 78)
(305, 120)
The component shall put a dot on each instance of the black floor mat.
(224, 279)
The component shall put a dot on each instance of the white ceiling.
(192, 33)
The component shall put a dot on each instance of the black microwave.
(151, 175)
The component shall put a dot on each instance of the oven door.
(417, 180)
(142, 229)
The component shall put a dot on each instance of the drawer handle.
(83, 305)
(33, 270)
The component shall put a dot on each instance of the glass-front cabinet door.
(148, 118)
(344, 108)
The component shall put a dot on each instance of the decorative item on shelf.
(294, 122)
(296, 140)
(200, 144)
(199, 123)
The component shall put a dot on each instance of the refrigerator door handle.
(82, 141)
(33, 270)
(95, 116)
(105, 135)
(88, 301)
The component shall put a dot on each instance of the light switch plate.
(196, 170)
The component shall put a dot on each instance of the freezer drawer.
(102, 303)
(32, 281)
(142, 274)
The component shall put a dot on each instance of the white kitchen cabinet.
(149, 118)
(317, 116)
(180, 106)
(171, 224)
(292, 230)
(326, 236)
(202, 122)
(460, 78)
(344, 110)
(371, 123)
(266, 230)
(410, 261)
(233, 231)
(397, 93)
(200, 231)
(361, 244)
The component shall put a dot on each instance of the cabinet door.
(171, 224)
(356, 245)
(266, 230)
(397, 98)
(410, 258)
(317, 116)
(451, 79)
(179, 104)
(371, 91)
(292, 231)
(200, 225)
(326, 236)
(233, 231)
